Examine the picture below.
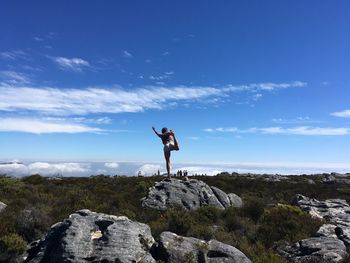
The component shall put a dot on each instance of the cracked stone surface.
(333, 238)
(189, 195)
(175, 248)
(94, 237)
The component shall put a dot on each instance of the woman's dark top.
(166, 138)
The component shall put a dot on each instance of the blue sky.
(238, 81)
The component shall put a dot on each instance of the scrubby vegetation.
(266, 220)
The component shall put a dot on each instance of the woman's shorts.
(169, 147)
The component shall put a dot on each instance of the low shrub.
(286, 222)
(11, 247)
(179, 221)
(207, 214)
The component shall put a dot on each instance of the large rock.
(235, 200)
(333, 238)
(93, 237)
(329, 179)
(317, 249)
(189, 195)
(174, 248)
(337, 211)
(2, 206)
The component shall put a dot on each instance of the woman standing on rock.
(170, 144)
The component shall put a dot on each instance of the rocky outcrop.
(317, 249)
(174, 248)
(333, 238)
(2, 206)
(94, 237)
(189, 195)
(329, 179)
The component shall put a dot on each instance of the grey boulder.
(189, 195)
(174, 248)
(329, 179)
(317, 249)
(2, 206)
(94, 237)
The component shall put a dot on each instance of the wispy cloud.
(9, 77)
(342, 114)
(298, 120)
(164, 76)
(299, 130)
(71, 64)
(96, 100)
(127, 54)
(101, 120)
(59, 101)
(166, 53)
(39, 39)
(14, 55)
(268, 86)
(38, 126)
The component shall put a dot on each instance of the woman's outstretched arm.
(154, 129)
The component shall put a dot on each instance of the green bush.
(207, 214)
(258, 253)
(253, 208)
(179, 221)
(286, 222)
(201, 232)
(11, 247)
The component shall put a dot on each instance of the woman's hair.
(164, 130)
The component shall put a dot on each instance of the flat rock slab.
(94, 237)
(189, 195)
(319, 249)
(333, 238)
(174, 248)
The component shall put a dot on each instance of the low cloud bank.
(149, 169)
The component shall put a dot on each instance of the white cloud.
(71, 64)
(96, 100)
(127, 54)
(306, 130)
(101, 120)
(38, 126)
(297, 120)
(39, 39)
(342, 114)
(268, 86)
(9, 77)
(150, 169)
(299, 130)
(111, 165)
(132, 168)
(58, 168)
(45, 169)
(63, 101)
(14, 55)
(165, 53)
